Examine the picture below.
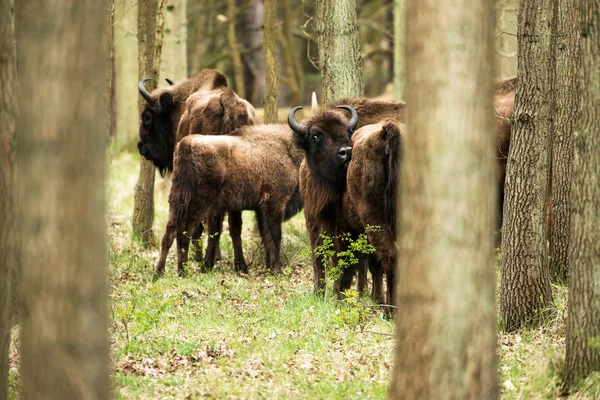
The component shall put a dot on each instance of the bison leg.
(235, 230)
(183, 244)
(391, 289)
(215, 227)
(197, 243)
(165, 245)
(361, 283)
(318, 268)
(376, 269)
(270, 221)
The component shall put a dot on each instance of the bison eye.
(146, 120)
(314, 139)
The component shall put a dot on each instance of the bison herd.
(341, 165)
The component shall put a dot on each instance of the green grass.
(220, 335)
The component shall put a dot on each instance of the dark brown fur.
(256, 169)
(372, 190)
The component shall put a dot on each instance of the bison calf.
(257, 169)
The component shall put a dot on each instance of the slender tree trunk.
(399, 30)
(506, 39)
(8, 182)
(236, 58)
(583, 324)
(339, 50)
(446, 340)
(269, 50)
(108, 63)
(196, 29)
(143, 200)
(295, 79)
(525, 286)
(567, 99)
(174, 48)
(64, 330)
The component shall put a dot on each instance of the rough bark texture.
(126, 73)
(525, 284)
(566, 98)
(61, 141)
(506, 38)
(583, 324)
(399, 33)
(143, 200)
(236, 58)
(8, 181)
(271, 64)
(446, 341)
(339, 50)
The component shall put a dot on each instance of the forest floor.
(224, 336)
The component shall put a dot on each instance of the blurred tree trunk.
(8, 182)
(566, 100)
(197, 21)
(399, 32)
(126, 73)
(339, 50)
(174, 49)
(271, 65)
(525, 286)
(255, 74)
(506, 39)
(108, 63)
(236, 58)
(446, 320)
(583, 324)
(143, 201)
(294, 76)
(64, 332)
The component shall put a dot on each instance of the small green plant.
(352, 311)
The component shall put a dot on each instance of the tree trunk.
(126, 71)
(143, 200)
(506, 39)
(174, 48)
(583, 324)
(64, 330)
(254, 62)
(236, 58)
(271, 65)
(197, 20)
(108, 63)
(525, 286)
(446, 341)
(566, 101)
(339, 50)
(295, 78)
(8, 182)
(399, 30)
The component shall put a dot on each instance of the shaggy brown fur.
(255, 169)
(372, 190)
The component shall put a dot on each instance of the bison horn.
(354, 119)
(296, 127)
(170, 82)
(147, 96)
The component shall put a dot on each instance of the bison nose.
(345, 154)
(140, 144)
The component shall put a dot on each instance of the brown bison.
(372, 180)
(326, 141)
(254, 169)
(201, 104)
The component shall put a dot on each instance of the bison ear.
(235, 113)
(165, 102)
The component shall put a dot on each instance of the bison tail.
(392, 136)
(185, 178)
(294, 205)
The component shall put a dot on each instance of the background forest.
(495, 299)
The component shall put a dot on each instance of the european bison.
(372, 180)
(255, 169)
(201, 104)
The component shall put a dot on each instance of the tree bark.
(8, 182)
(399, 60)
(61, 141)
(446, 340)
(506, 38)
(525, 284)
(583, 324)
(143, 200)
(271, 65)
(339, 50)
(566, 98)
(236, 58)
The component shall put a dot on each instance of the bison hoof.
(204, 268)
(242, 268)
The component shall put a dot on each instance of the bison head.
(157, 138)
(326, 140)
